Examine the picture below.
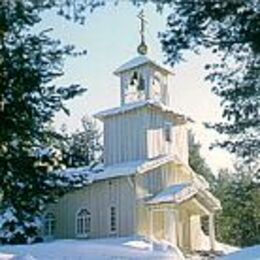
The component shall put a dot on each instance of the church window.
(83, 221)
(49, 224)
(113, 219)
(168, 132)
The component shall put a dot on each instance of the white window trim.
(87, 235)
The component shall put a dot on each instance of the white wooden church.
(146, 187)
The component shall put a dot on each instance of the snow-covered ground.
(95, 249)
(248, 253)
(127, 248)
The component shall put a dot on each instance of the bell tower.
(142, 78)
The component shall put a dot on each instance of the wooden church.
(146, 187)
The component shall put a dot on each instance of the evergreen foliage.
(231, 30)
(239, 221)
(29, 62)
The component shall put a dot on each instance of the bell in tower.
(143, 79)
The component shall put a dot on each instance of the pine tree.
(29, 62)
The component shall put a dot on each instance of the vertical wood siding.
(139, 135)
(125, 137)
(150, 183)
(97, 198)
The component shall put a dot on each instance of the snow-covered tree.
(29, 62)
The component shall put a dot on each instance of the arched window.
(49, 224)
(83, 222)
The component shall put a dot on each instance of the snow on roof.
(117, 170)
(174, 194)
(132, 167)
(139, 61)
(132, 106)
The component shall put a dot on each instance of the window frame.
(85, 221)
(49, 224)
(113, 223)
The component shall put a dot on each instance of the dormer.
(143, 79)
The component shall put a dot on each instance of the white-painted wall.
(97, 198)
(139, 135)
(125, 137)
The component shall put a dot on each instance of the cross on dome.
(142, 48)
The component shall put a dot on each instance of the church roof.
(135, 105)
(139, 61)
(177, 193)
(117, 170)
(132, 167)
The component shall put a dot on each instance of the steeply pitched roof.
(135, 105)
(139, 61)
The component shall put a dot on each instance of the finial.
(142, 48)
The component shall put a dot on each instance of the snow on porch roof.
(131, 106)
(174, 194)
(139, 61)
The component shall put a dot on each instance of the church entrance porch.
(180, 226)
(174, 216)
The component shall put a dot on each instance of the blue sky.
(111, 35)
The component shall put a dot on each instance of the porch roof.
(180, 193)
(174, 194)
